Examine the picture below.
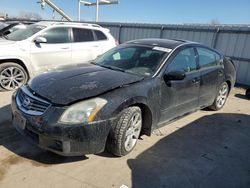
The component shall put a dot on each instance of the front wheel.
(221, 97)
(123, 137)
(12, 76)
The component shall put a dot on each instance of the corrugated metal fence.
(232, 41)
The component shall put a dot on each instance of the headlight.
(83, 111)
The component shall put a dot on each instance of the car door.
(55, 52)
(212, 75)
(84, 46)
(180, 96)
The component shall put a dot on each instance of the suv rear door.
(55, 52)
(84, 46)
(212, 75)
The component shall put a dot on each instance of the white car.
(47, 45)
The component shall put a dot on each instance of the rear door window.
(82, 35)
(100, 35)
(57, 35)
(207, 58)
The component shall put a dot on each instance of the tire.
(124, 135)
(12, 76)
(221, 97)
(248, 93)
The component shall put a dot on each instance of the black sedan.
(129, 91)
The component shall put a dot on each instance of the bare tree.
(29, 15)
(214, 22)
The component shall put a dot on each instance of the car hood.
(3, 41)
(69, 86)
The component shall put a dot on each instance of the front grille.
(31, 104)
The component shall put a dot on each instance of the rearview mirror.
(174, 75)
(39, 40)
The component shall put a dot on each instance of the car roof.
(19, 22)
(50, 23)
(166, 43)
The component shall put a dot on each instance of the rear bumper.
(66, 140)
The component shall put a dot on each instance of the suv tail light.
(116, 42)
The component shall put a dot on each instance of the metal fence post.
(214, 44)
(119, 33)
(161, 32)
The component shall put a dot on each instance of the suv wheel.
(12, 76)
(123, 137)
(221, 97)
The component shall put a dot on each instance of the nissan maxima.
(128, 91)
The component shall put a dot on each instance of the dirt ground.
(204, 149)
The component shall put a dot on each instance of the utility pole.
(54, 7)
(97, 4)
(97, 11)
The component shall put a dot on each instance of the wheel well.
(17, 61)
(146, 118)
(229, 85)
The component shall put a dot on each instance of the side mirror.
(174, 75)
(39, 40)
(6, 32)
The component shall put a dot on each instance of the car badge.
(26, 102)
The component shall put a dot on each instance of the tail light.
(116, 42)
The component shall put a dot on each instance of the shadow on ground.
(13, 141)
(213, 151)
(241, 96)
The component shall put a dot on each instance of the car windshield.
(23, 34)
(3, 25)
(139, 60)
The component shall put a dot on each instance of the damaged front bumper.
(66, 140)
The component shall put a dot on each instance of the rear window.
(100, 35)
(83, 35)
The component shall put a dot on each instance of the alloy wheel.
(133, 131)
(222, 97)
(12, 78)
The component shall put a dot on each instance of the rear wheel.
(123, 137)
(221, 97)
(12, 76)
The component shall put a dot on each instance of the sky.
(144, 11)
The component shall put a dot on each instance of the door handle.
(220, 72)
(65, 48)
(196, 80)
(95, 46)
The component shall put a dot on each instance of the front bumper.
(66, 140)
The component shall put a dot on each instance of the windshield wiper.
(112, 68)
(4, 36)
(92, 62)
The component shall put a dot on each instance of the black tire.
(21, 79)
(248, 93)
(217, 105)
(117, 136)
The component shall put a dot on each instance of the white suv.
(47, 45)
